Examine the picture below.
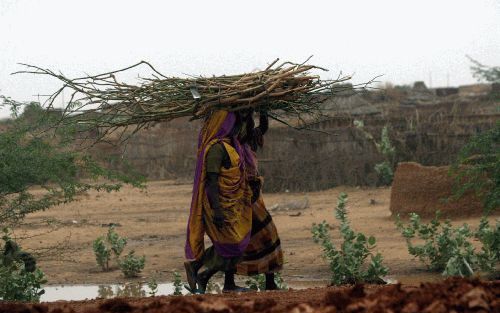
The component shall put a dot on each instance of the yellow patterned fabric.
(263, 254)
(235, 201)
(234, 195)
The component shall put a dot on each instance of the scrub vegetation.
(348, 262)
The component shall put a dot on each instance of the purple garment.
(232, 250)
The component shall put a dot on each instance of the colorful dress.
(263, 254)
(234, 195)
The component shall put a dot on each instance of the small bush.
(131, 265)
(102, 253)
(347, 263)
(384, 172)
(177, 284)
(450, 250)
(489, 236)
(153, 287)
(258, 282)
(385, 169)
(20, 280)
(478, 169)
(105, 246)
(117, 243)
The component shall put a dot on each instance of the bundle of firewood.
(103, 101)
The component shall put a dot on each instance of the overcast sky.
(404, 40)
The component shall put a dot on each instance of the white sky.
(404, 40)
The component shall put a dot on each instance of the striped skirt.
(263, 254)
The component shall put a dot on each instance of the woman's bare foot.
(191, 273)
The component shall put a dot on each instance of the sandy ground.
(154, 221)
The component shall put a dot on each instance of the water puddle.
(87, 292)
(414, 279)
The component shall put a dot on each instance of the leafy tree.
(484, 72)
(478, 168)
(34, 153)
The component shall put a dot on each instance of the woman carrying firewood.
(263, 254)
(227, 206)
(221, 202)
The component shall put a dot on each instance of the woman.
(263, 254)
(221, 202)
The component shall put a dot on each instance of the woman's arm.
(263, 122)
(214, 162)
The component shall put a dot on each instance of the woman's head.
(243, 125)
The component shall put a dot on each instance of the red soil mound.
(452, 295)
(424, 190)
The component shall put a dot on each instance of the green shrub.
(450, 250)
(484, 72)
(153, 287)
(177, 284)
(384, 172)
(478, 168)
(131, 265)
(102, 253)
(117, 243)
(384, 146)
(16, 284)
(20, 280)
(489, 236)
(34, 152)
(385, 169)
(105, 246)
(347, 263)
(258, 282)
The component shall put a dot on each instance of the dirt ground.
(154, 221)
(454, 295)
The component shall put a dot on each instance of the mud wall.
(308, 160)
(427, 189)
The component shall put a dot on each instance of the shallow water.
(414, 279)
(106, 291)
(83, 292)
